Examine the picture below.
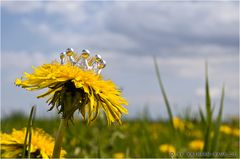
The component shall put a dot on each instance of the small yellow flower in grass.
(178, 123)
(230, 131)
(236, 132)
(119, 155)
(225, 129)
(196, 134)
(76, 84)
(196, 145)
(189, 125)
(41, 144)
(166, 148)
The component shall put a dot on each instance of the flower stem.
(59, 139)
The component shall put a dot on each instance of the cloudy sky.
(182, 35)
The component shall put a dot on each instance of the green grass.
(135, 138)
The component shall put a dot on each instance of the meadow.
(195, 136)
(136, 138)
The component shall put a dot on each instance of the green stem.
(59, 139)
(28, 135)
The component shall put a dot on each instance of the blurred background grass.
(140, 137)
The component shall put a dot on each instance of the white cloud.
(22, 6)
(102, 39)
(185, 29)
(73, 12)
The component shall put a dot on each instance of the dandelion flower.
(225, 129)
(196, 145)
(189, 125)
(118, 155)
(41, 144)
(166, 148)
(236, 132)
(230, 131)
(74, 84)
(178, 123)
(196, 133)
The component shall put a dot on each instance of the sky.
(181, 35)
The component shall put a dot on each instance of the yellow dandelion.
(74, 84)
(189, 125)
(225, 129)
(119, 155)
(196, 145)
(41, 144)
(178, 123)
(166, 148)
(196, 134)
(236, 132)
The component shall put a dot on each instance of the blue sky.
(127, 34)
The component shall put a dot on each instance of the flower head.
(166, 148)
(12, 145)
(196, 145)
(178, 124)
(76, 84)
(196, 133)
(236, 132)
(229, 130)
(225, 129)
(118, 155)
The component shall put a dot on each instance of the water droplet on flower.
(85, 54)
(62, 56)
(101, 65)
(96, 62)
(83, 61)
(69, 53)
(98, 58)
(91, 60)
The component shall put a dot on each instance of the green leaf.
(218, 123)
(208, 111)
(202, 116)
(163, 92)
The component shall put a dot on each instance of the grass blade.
(29, 133)
(163, 92)
(209, 113)
(127, 153)
(99, 155)
(202, 116)
(29, 142)
(218, 123)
